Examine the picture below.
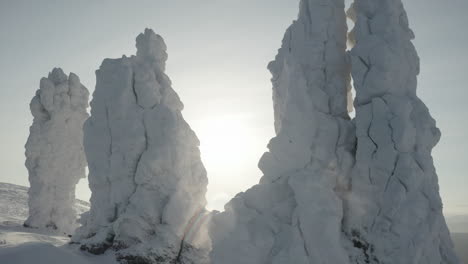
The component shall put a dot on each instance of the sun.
(221, 140)
(227, 146)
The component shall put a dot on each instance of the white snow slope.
(20, 245)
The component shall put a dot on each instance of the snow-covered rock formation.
(394, 212)
(294, 214)
(145, 172)
(322, 198)
(54, 151)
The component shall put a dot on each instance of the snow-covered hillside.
(14, 200)
(20, 245)
(461, 245)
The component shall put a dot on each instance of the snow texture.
(294, 214)
(145, 172)
(334, 190)
(45, 253)
(54, 151)
(394, 211)
(14, 204)
(21, 245)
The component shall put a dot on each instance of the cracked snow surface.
(145, 172)
(394, 210)
(336, 190)
(294, 215)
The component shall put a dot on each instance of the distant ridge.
(14, 200)
(461, 246)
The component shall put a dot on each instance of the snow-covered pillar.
(54, 151)
(145, 172)
(395, 211)
(294, 215)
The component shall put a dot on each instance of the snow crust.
(145, 172)
(394, 210)
(54, 151)
(294, 214)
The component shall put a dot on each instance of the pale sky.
(218, 52)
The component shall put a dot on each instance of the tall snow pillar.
(294, 215)
(395, 211)
(145, 172)
(54, 151)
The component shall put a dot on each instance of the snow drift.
(145, 172)
(294, 214)
(20, 245)
(54, 151)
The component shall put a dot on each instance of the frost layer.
(54, 151)
(395, 211)
(294, 214)
(145, 172)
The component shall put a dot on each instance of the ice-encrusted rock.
(54, 151)
(145, 172)
(394, 212)
(294, 214)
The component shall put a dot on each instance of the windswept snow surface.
(145, 172)
(20, 245)
(54, 151)
(294, 214)
(394, 212)
(45, 253)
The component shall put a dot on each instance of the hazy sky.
(218, 52)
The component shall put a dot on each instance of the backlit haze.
(218, 52)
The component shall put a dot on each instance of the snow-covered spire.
(54, 151)
(145, 172)
(151, 47)
(394, 212)
(294, 215)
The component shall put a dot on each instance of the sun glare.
(230, 147)
(223, 141)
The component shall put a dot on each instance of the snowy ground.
(46, 247)
(42, 246)
(461, 245)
